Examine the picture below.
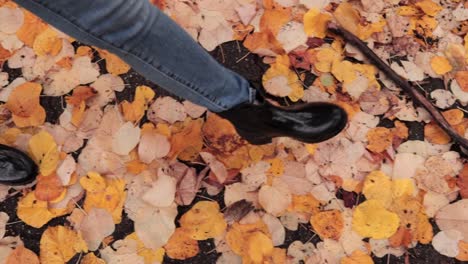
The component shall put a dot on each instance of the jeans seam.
(157, 68)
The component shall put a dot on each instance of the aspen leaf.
(446, 242)
(114, 64)
(33, 211)
(31, 28)
(22, 255)
(380, 138)
(263, 44)
(80, 94)
(275, 199)
(273, 19)
(259, 246)
(462, 251)
(187, 143)
(371, 219)
(429, 7)
(462, 79)
(328, 224)
(221, 134)
(203, 221)
(59, 244)
(96, 225)
(162, 192)
(47, 43)
(23, 102)
(43, 150)
(348, 17)
(315, 23)
(434, 134)
(453, 116)
(357, 257)
(238, 234)
(450, 216)
(135, 110)
(154, 226)
(378, 186)
(151, 256)
(440, 65)
(181, 246)
(304, 204)
(280, 81)
(125, 139)
(48, 188)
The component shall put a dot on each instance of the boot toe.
(16, 168)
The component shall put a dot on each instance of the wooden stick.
(398, 80)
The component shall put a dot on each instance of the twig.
(243, 57)
(222, 53)
(404, 84)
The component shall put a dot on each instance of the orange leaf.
(380, 138)
(84, 51)
(187, 143)
(22, 255)
(114, 64)
(221, 135)
(24, 105)
(304, 204)
(453, 116)
(4, 54)
(463, 251)
(78, 114)
(400, 130)
(48, 188)
(328, 224)
(434, 134)
(461, 77)
(241, 31)
(31, 28)
(181, 246)
(47, 42)
(80, 94)
(263, 43)
(462, 182)
(402, 237)
(273, 19)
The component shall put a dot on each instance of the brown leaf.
(221, 135)
(236, 211)
(187, 143)
(49, 187)
(434, 134)
(80, 94)
(462, 182)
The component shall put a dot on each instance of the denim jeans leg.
(149, 41)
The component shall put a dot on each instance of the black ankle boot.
(309, 123)
(16, 168)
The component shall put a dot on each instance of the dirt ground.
(238, 59)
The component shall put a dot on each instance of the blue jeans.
(150, 42)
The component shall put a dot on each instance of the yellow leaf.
(103, 193)
(402, 187)
(33, 211)
(378, 186)
(134, 111)
(424, 232)
(31, 28)
(380, 138)
(150, 255)
(343, 71)
(47, 43)
(181, 246)
(440, 65)
(256, 153)
(221, 135)
(84, 51)
(357, 257)
(407, 11)
(277, 167)
(187, 143)
(304, 204)
(371, 219)
(325, 58)
(90, 258)
(315, 23)
(429, 7)
(9, 136)
(237, 235)
(22, 255)
(273, 19)
(347, 17)
(203, 221)
(328, 224)
(114, 64)
(259, 246)
(280, 81)
(43, 150)
(59, 244)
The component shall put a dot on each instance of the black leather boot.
(16, 168)
(309, 123)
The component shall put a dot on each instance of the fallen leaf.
(135, 110)
(96, 225)
(453, 116)
(162, 192)
(154, 226)
(275, 228)
(315, 23)
(380, 138)
(59, 244)
(30, 29)
(168, 109)
(462, 79)
(450, 217)
(263, 44)
(114, 64)
(446, 242)
(216, 166)
(125, 139)
(371, 219)
(181, 246)
(80, 94)
(43, 150)
(22, 255)
(151, 256)
(203, 221)
(273, 19)
(434, 134)
(440, 65)
(11, 19)
(187, 143)
(238, 234)
(328, 224)
(47, 42)
(462, 181)
(49, 188)
(429, 7)
(221, 135)
(462, 251)
(275, 199)
(291, 36)
(23, 102)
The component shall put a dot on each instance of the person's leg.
(151, 43)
